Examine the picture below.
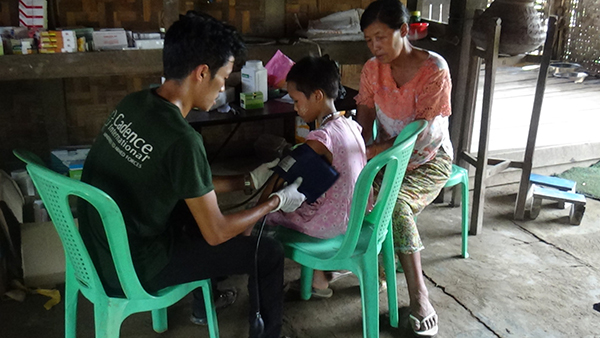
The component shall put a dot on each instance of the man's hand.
(262, 173)
(290, 198)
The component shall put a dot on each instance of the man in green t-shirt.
(154, 165)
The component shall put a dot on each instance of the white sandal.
(416, 324)
(337, 275)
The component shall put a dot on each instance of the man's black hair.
(313, 73)
(390, 12)
(197, 39)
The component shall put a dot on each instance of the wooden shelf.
(53, 66)
(132, 62)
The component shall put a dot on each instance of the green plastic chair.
(460, 176)
(81, 275)
(367, 235)
(28, 157)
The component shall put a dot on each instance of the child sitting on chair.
(313, 83)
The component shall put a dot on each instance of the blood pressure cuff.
(317, 174)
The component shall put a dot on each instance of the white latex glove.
(290, 198)
(262, 173)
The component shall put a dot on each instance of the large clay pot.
(521, 31)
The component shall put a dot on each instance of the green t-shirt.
(147, 158)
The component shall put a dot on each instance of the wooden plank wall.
(248, 16)
(90, 100)
(7, 13)
(139, 15)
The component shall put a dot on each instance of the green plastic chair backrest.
(55, 189)
(409, 129)
(394, 160)
(28, 157)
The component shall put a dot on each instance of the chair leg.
(159, 320)
(108, 318)
(369, 288)
(306, 278)
(71, 294)
(389, 266)
(211, 314)
(465, 216)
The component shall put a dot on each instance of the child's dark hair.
(197, 39)
(390, 12)
(313, 73)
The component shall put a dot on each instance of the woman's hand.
(377, 148)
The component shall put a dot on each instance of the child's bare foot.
(320, 280)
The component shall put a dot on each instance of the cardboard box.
(110, 39)
(33, 13)
(42, 254)
(69, 161)
(252, 100)
(150, 44)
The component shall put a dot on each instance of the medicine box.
(252, 100)
(69, 161)
(58, 42)
(150, 44)
(110, 39)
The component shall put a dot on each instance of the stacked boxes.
(33, 14)
(58, 42)
(69, 161)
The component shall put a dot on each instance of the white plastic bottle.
(254, 78)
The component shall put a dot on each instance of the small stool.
(555, 189)
(554, 182)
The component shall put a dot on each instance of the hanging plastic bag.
(277, 69)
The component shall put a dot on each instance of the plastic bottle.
(415, 16)
(254, 78)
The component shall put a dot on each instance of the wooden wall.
(43, 115)
(251, 17)
(140, 15)
(72, 110)
(8, 11)
(90, 100)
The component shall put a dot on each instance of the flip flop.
(322, 293)
(317, 293)
(416, 324)
(337, 275)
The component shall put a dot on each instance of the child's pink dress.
(328, 216)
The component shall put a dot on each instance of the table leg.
(535, 121)
(491, 58)
(289, 129)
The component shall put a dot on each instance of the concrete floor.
(524, 279)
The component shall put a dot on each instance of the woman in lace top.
(398, 85)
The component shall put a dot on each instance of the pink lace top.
(425, 96)
(328, 216)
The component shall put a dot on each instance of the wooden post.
(462, 14)
(491, 60)
(170, 12)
